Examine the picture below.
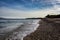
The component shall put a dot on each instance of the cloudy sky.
(28, 8)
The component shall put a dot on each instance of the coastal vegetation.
(53, 16)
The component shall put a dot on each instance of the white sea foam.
(28, 27)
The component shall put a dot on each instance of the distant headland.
(53, 16)
(2, 18)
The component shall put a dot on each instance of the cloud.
(9, 10)
(30, 4)
(58, 1)
(4, 11)
(56, 6)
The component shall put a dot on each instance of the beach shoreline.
(49, 29)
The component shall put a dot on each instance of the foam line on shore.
(24, 30)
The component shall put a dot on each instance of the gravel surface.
(49, 29)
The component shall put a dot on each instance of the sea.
(24, 27)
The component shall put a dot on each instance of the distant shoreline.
(17, 18)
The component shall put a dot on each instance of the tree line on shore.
(53, 16)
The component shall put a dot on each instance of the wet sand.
(49, 29)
